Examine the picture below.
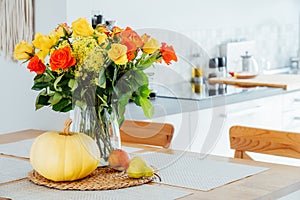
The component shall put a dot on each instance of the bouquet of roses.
(71, 62)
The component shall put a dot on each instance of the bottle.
(213, 72)
(222, 74)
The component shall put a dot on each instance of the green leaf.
(56, 82)
(73, 84)
(144, 64)
(39, 86)
(124, 99)
(115, 75)
(55, 98)
(67, 108)
(144, 91)
(140, 78)
(42, 100)
(147, 107)
(120, 114)
(102, 78)
(62, 104)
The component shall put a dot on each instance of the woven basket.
(103, 178)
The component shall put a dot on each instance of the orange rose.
(131, 35)
(116, 30)
(62, 59)
(36, 65)
(168, 53)
(131, 49)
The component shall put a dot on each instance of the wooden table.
(274, 183)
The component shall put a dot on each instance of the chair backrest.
(280, 143)
(151, 133)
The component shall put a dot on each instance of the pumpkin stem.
(66, 129)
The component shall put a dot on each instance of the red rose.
(62, 59)
(36, 65)
(168, 53)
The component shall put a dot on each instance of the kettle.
(249, 64)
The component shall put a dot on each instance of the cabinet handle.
(241, 112)
(296, 118)
(297, 100)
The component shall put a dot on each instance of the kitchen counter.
(180, 98)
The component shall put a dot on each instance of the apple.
(119, 159)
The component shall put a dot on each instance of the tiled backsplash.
(274, 43)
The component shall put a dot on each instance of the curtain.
(16, 24)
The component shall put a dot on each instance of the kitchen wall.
(17, 100)
(273, 23)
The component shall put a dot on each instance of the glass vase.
(102, 126)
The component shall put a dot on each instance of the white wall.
(183, 15)
(17, 111)
(273, 24)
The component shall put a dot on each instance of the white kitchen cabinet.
(291, 112)
(206, 126)
(207, 130)
(182, 132)
(263, 113)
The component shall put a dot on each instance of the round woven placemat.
(103, 178)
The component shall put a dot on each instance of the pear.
(139, 168)
(149, 171)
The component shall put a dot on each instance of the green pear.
(139, 168)
(149, 171)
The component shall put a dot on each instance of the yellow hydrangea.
(81, 47)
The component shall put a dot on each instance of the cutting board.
(285, 81)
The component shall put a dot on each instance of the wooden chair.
(151, 133)
(264, 141)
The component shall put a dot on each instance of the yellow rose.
(42, 55)
(23, 50)
(62, 29)
(81, 27)
(145, 38)
(117, 53)
(151, 46)
(44, 42)
(101, 38)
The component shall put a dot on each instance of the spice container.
(213, 72)
(222, 73)
(222, 67)
(197, 80)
